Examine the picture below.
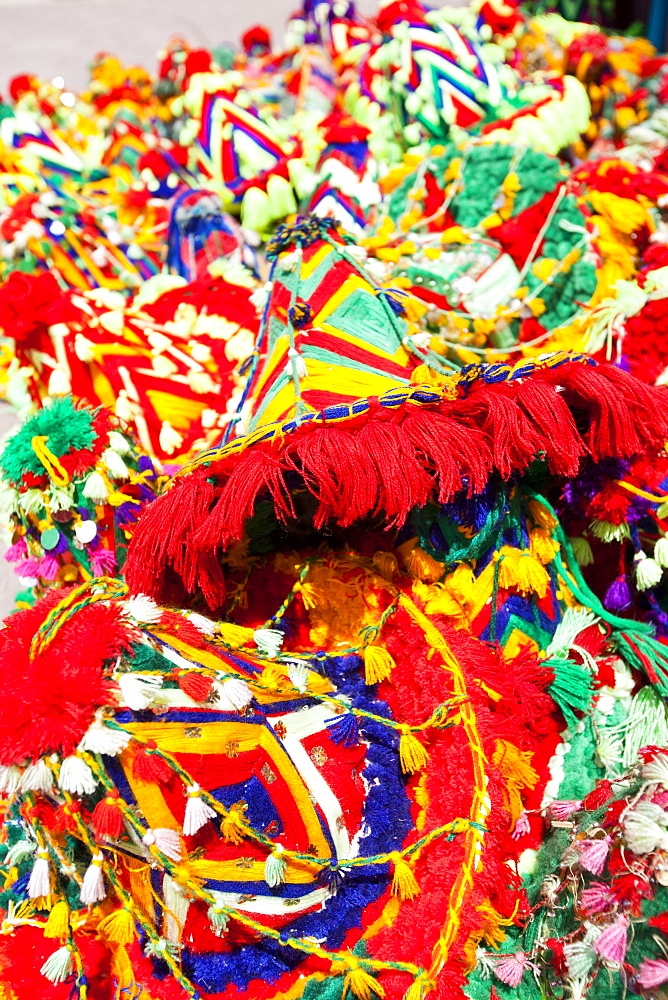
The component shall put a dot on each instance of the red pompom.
(150, 766)
(108, 818)
(47, 704)
(256, 41)
(196, 686)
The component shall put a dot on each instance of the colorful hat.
(166, 361)
(74, 483)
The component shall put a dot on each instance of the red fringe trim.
(387, 462)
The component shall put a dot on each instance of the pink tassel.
(103, 562)
(511, 969)
(48, 568)
(16, 551)
(562, 810)
(653, 972)
(522, 826)
(596, 898)
(611, 944)
(594, 854)
(29, 567)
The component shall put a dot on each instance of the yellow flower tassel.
(378, 664)
(235, 635)
(386, 564)
(542, 546)
(118, 927)
(515, 766)
(423, 567)
(58, 924)
(532, 577)
(507, 559)
(542, 516)
(404, 883)
(359, 982)
(461, 582)
(234, 827)
(412, 754)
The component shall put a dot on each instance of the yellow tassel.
(273, 678)
(123, 973)
(508, 559)
(515, 766)
(235, 635)
(421, 565)
(582, 551)
(437, 600)
(58, 924)
(359, 982)
(234, 826)
(542, 546)
(461, 583)
(386, 563)
(542, 516)
(118, 927)
(404, 883)
(412, 754)
(378, 664)
(532, 577)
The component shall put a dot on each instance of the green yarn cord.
(460, 548)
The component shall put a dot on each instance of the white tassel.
(648, 572)
(580, 956)
(59, 383)
(37, 777)
(170, 439)
(275, 867)
(298, 359)
(269, 641)
(92, 890)
(644, 828)
(58, 966)
(10, 779)
(358, 254)
(119, 443)
(100, 738)
(143, 609)
(40, 876)
(237, 692)
(116, 467)
(219, 920)
(656, 769)
(291, 260)
(76, 777)
(569, 628)
(198, 812)
(167, 841)
(661, 552)
(139, 690)
(124, 409)
(260, 296)
(203, 624)
(84, 348)
(298, 672)
(95, 489)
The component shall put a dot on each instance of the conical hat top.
(329, 333)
